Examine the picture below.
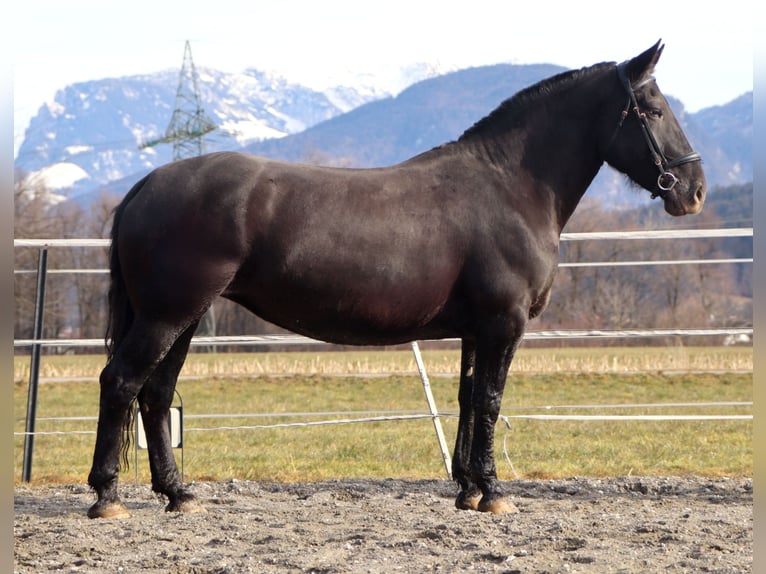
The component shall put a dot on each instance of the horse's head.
(645, 141)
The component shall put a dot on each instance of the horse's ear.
(643, 65)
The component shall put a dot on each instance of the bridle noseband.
(666, 180)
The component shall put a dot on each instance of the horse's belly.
(347, 313)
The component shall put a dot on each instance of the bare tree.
(91, 288)
(75, 303)
(33, 219)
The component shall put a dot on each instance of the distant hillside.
(731, 127)
(423, 116)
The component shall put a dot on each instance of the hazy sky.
(708, 58)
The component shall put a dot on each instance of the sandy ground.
(580, 525)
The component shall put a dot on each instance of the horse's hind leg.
(138, 355)
(155, 400)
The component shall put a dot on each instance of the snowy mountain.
(92, 132)
(90, 137)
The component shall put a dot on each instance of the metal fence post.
(34, 369)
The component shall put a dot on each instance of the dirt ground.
(580, 525)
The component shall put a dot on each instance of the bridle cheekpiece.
(666, 179)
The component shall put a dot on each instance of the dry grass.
(398, 362)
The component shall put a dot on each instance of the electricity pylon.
(189, 123)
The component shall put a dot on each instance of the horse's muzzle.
(688, 201)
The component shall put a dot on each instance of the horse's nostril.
(699, 195)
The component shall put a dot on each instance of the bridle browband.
(666, 180)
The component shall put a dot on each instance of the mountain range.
(90, 137)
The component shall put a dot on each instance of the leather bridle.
(666, 179)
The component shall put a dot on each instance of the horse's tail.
(121, 313)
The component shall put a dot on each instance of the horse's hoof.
(108, 510)
(497, 506)
(187, 506)
(468, 500)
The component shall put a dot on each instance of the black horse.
(460, 241)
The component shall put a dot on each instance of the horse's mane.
(517, 103)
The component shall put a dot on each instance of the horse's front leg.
(494, 352)
(469, 496)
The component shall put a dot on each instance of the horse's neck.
(556, 149)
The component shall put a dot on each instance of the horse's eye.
(654, 112)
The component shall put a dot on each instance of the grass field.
(550, 381)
